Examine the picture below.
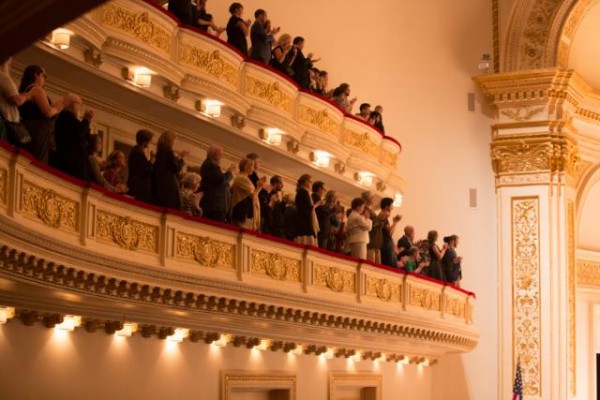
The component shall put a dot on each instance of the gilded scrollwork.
(520, 114)
(3, 185)
(126, 233)
(270, 92)
(206, 251)
(535, 34)
(384, 290)
(456, 307)
(526, 291)
(49, 207)
(334, 278)
(588, 273)
(211, 62)
(138, 25)
(320, 119)
(424, 298)
(389, 158)
(360, 141)
(275, 266)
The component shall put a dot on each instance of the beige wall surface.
(45, 363)
(417, 60)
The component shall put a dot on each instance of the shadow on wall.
(449, 381)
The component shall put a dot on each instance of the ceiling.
(584, 54)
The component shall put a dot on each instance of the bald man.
(406, 242)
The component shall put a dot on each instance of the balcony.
(67, 248)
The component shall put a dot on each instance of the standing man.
(215, 185)
(261, 36)
(406, 242)
(376, 233)
(300, 64)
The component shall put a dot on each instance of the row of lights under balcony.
(69, 323)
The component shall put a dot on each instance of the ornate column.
(535, 158)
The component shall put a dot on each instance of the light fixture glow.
(263, 345)
(70, 322)
(129, 328)
(210, 108)
(364, 178)
(398, 199)
(298, 350)
(271, 136)
(179, 335)
(61, 38)
(402, 360)
(328, 355)
(6, 313)
(222, 341)
(320, 158)
(485, 63)
(142, 77)
(355, 357)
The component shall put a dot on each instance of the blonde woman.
(165, 175)
(245, 206)
(280, 60)
(357, 229)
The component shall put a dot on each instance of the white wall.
(42, 363)
(417, 60)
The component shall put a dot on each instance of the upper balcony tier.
(190, 68)
(72, 249)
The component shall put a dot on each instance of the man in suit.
(261, 37)
(406, 242)
(215, 185)
(300, 64)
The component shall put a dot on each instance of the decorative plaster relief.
(456, 307)
(319, 119)
(237, 383)
(389, 158)
(210, 62)
(138, 25)
(3, 185)
(424, 298)
(526, 291)
(206, 251)
(334, 278)
(52, 209)
(521, 114)
(384, 289)
(536, 32)
(362, 142)
(588, 273)
(275, 266)
(269, 92)
(127, 233)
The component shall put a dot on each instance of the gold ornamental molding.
(335, 279)
(456, 307)
(319, 119)
(384, 290)
(362, 142)
(52, 209)
(269, 92)
(205, 251)
(3, 185)
(279, 385)
(575, 17)
(126, 232)
(526, 293)
(138, 25)
(588, 273)
(275, 266)
(210, 62)
(424, 298)
(389, 158)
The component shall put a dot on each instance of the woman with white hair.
(189, 198)
(10, 99)
(245, 206)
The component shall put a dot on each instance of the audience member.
(299, 64)
(341, 96)
(290, 216)
(451, 261)
(36, 113)
(322, 83)
(189, 195)
(357, 229)
(435, 256)
(238, 29)
(261, 37)
(215, 185)
(340, 232)
(413, 262)
(10, 100)
(406, 242)
(388, 253)
(328, 223)
(379, 122)
(166, 171)
(72, 137)
(281, 56)
(374, 118)
(115, 162)
(307, 225)
(275, 208)
(183, 10)
(245, 206)
(318, 191)
(365, 111)
(97, 165)
(375, 233)
(202, 20)
(140, 165)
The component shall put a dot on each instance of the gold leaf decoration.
(52, 209)
(210, 62)
(526, 291)
(588, 273)
(206, 251)
(521, 114)
(138, 25)
(335, 279)
(456, 307)
(126, 233)
(275, 266)
(389, 158)
(424, 298)
(362, 142)
(270, 92)
(3, 185)
(319, 119)
(384, 289)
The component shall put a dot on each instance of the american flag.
(518, 386)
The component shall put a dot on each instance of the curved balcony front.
(71, 249)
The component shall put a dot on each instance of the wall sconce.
(6, 313)
(210, 108)
(263, 344)
(140, 77)
(320, 158)
(364, 178)
(340, 168)
(485, 63)
(398, 199)
(355, 357)
(222, 341)
(178, 335)
(61, 38)
(70, 322)
(129, 328)
(271, 136)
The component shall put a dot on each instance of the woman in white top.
(10, 98)
(357, 229)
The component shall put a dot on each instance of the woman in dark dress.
(140, 167)
(435, 255)
(307, 226)
(203, 20)
(451, 261)
(281, 56)
(238, 29)
(37, 113)
(165, 175)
